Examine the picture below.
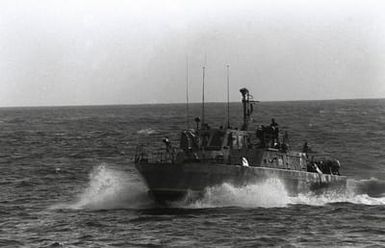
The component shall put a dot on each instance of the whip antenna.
(187, 100)
(203, 96)
(228, 97)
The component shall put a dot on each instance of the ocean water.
(68, 180)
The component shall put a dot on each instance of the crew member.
(273, 123)
(170, 151)
(336, 167)
(274, 126)
(305, 148)
(167, 142)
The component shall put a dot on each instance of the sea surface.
(68, 179)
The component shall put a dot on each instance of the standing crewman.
(274, 126)
(170, 151)
(167, 143)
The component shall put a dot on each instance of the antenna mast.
(203, 97)
(187, 100)
(228, 97)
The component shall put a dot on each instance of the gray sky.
(125, 52)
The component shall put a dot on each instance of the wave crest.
(147, 131)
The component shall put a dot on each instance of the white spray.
(110, 189)
(270, 193)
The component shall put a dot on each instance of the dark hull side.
(169, 182)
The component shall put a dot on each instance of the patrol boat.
(208, 157)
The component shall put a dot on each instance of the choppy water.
(68, 180)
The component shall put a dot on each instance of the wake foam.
(333, 197)
(373, 187)
(363, 192)
(110, 189)
(270, 193)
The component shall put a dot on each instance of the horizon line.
(161, 103)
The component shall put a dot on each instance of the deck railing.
(155, 155)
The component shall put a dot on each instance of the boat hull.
(171, 182)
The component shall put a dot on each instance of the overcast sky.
(128, 52)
